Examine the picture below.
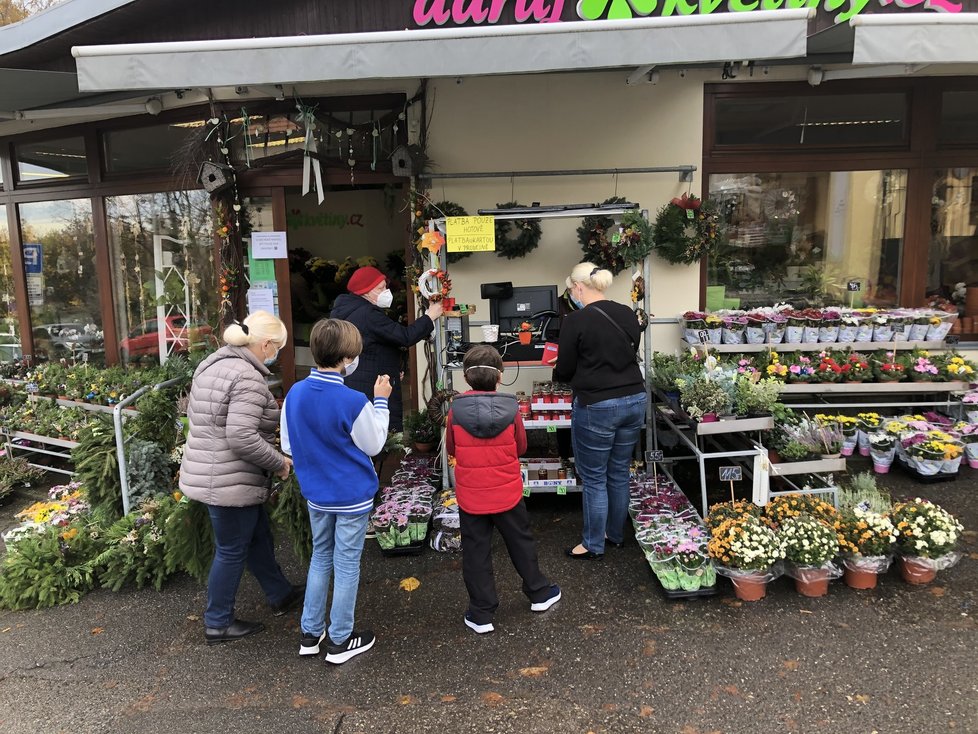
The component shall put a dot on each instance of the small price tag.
(561, 490)
(690, 214)
(653, 457)
(615, 237)
(526, 491)
(731, 473)
(551, 429)
(704, 336)
(854, 286)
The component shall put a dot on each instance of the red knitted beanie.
(364, 280)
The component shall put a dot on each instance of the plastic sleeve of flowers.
(795, 571)
(766, 574)
(872, 564)
(940, 563)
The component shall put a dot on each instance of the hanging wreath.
(596, 235)
(438, 406)
(438, 290)
(635, 238)
(423, 215)
(687, 229)
(516, 237)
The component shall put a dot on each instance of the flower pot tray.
(926, 479)
(736, 425)
(414, 549)
(865, 388)
(818, 466)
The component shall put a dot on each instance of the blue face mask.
(272, 360)
(577, 304)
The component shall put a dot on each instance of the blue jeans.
(337, 543)
(242, 537)
(604, 437)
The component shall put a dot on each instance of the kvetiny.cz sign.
(460, 12)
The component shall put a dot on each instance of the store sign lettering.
(296, 219)
(460, 12)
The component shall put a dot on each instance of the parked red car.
(144, 340)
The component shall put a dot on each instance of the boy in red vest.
(486, 436)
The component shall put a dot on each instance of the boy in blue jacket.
(331, 431)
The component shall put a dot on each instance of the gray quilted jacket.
(229, 459)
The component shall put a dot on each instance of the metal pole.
(685, 173)
(120, 440)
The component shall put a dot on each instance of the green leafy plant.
(666, 370)
(419, 428)
(134, 548)
(755, 396)
(16, 472)
(97, 468)
(188, 539)
(149, 469)
(794, 451)
(701, 395)
(157, 419)
(862, 491)
(49, 567)
(291, 513)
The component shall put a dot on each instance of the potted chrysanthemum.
(810, 544)
(749, 552)
(927, 537)
(866, 539)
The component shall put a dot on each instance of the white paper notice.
(269, 245)
(261, 299)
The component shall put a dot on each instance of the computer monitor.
(525, 302)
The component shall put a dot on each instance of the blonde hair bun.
(261, 326)
(590, 275)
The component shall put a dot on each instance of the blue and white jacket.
(331, 431)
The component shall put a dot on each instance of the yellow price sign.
(471, 234)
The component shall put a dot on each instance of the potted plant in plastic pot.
(748, 552)
(810, 544)
(703, 399)
(866, 539)
(969, 437)
(927, 536)
(421, 431)
(882, 447)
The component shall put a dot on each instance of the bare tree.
(12, 11)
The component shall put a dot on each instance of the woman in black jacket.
(383, 338)
(598, 357)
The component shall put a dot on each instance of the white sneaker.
(309, 644)
(355, 644)
(542, 606)
(480, 629)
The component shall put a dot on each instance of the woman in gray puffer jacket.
(228, 465)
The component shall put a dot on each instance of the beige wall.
(566, 121)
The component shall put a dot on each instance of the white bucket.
(490, 332)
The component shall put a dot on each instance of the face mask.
(351, 368)
(272, 360)
(385, 299)
(577, 304)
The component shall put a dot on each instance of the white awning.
(469, 51)
(916, 38)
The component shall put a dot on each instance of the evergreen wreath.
(635, 241)
(516, 237)
(687, 229)
(595, 237)
(440, 209)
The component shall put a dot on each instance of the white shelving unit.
(818, 346)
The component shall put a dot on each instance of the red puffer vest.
(486, 436)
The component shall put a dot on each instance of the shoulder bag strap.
(615, 324)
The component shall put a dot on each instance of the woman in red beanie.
(383, 338)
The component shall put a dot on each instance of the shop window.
(51, 160)
(952, 271)
(62, 283)
(801, 237)
(811, 120)
(147, 148)
(9, 325)
(959, 112)
(165, 289)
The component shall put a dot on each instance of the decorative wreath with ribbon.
(437, 290)
(687, 229)
(423, 215)
(516, 237)
(438, 406)
(597, 236)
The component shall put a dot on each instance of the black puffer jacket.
(383, 342)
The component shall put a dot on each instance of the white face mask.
(351, 368)
(385, 299)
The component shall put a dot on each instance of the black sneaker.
(291, 600)
(238, 629)
(542, 606)
(355, 644)
(309, 644)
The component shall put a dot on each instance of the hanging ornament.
(310, 159)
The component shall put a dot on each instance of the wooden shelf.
(784, 347)
(818, 466)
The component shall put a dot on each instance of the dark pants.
(514, 526)
(242, 536)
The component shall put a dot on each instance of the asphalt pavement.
(612, 656)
